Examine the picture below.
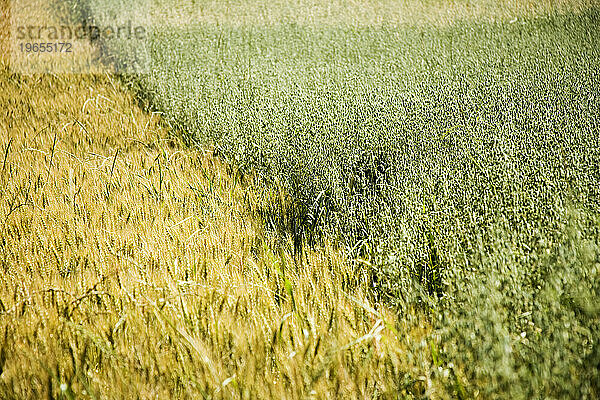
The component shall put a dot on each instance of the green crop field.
(450, 149)
(459, 158)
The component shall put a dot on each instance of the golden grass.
(135, 267)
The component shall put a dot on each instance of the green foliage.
(523, 318)
(444, 157)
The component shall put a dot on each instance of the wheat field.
(137, 267)
(379, 199)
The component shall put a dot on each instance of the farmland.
(336, 200)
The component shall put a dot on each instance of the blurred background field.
(440, 161)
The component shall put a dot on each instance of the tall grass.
(136, 267)
(459, 162)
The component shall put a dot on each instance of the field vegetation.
(398, 201)
(455, 157)
(134, 266)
